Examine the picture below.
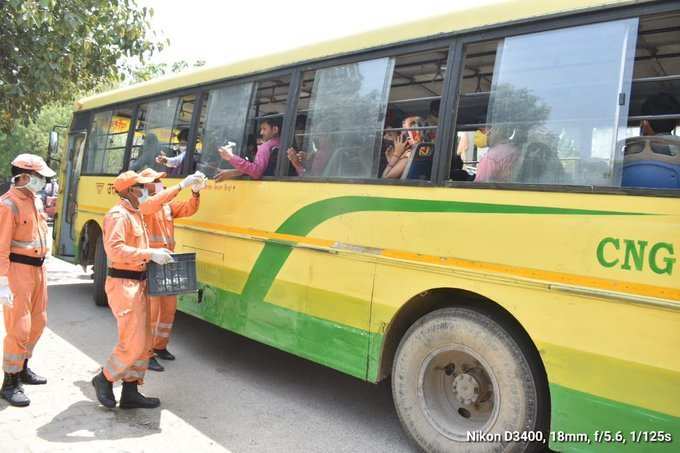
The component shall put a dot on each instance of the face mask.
(480, 139)
(143, 197)
(35, 184)
(182, 149)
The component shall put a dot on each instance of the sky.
(222, 32)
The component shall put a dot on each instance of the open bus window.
(652, 145)
(161, 135)
(543, 108)
(268, 105)
(106, 145)
(343, 109)
(413, 115)
(226, 111)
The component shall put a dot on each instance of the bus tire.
(99, 269)
(457, 370)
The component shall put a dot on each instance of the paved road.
(224, 393)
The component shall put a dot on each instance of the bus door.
(66, 234)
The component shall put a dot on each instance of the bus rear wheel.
(461, 382)
(99, 268)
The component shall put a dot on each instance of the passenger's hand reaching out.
(225, 152)
(162, 158)
(230, 173)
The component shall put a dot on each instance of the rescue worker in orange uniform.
(127, 248)
(23, 285)
(161, 229)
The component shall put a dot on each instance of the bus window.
(161, 135)
(268, 105)
(412, 116)
(106, 145)
(652, 146)
(226, 111)
(343, 113)
(532, 103)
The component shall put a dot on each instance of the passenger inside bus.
(410, 141)
(175, 163)
(498, 163)
(270, 128)
(151, 149)
(653, 159)
(314, 163)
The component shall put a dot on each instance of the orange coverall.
(126, 244)
(161, 230)
(23, 231)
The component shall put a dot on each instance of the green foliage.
(51, 50)
(153, 70)
(33, 137)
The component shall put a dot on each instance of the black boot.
(163, 354)
(154, 365)
(104, 390)
(130, 398)
(26, 376)
(13, 392)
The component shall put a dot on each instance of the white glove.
(197, 187)
(192, 179)
(6, 296)
(161, 256)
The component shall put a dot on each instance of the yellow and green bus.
(517, 280)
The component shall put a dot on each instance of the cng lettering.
(636, 255)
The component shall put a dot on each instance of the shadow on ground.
(87, 421)
(240, 393)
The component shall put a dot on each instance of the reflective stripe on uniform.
(164, 325)
(157, 238)
(162, 334)
(112, 373)
(133, 374)
(26, 244)
(14, 357)
(114, 363)
(12, 368)
(10, 203)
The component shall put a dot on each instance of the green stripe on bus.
(302, 222)
(577, 412)
(335, 345)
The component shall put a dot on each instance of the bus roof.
(457, 21)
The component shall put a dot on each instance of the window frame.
(149, 99)
(92, 113)
(455, 43)
(540, 25)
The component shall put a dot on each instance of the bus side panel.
(612, 357)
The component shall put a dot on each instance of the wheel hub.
(466, 388)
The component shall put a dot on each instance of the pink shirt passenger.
(256, 169)
(497, 163)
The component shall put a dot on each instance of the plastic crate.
(178, 277)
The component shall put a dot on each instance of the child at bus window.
(398, 155)
(270, 128)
